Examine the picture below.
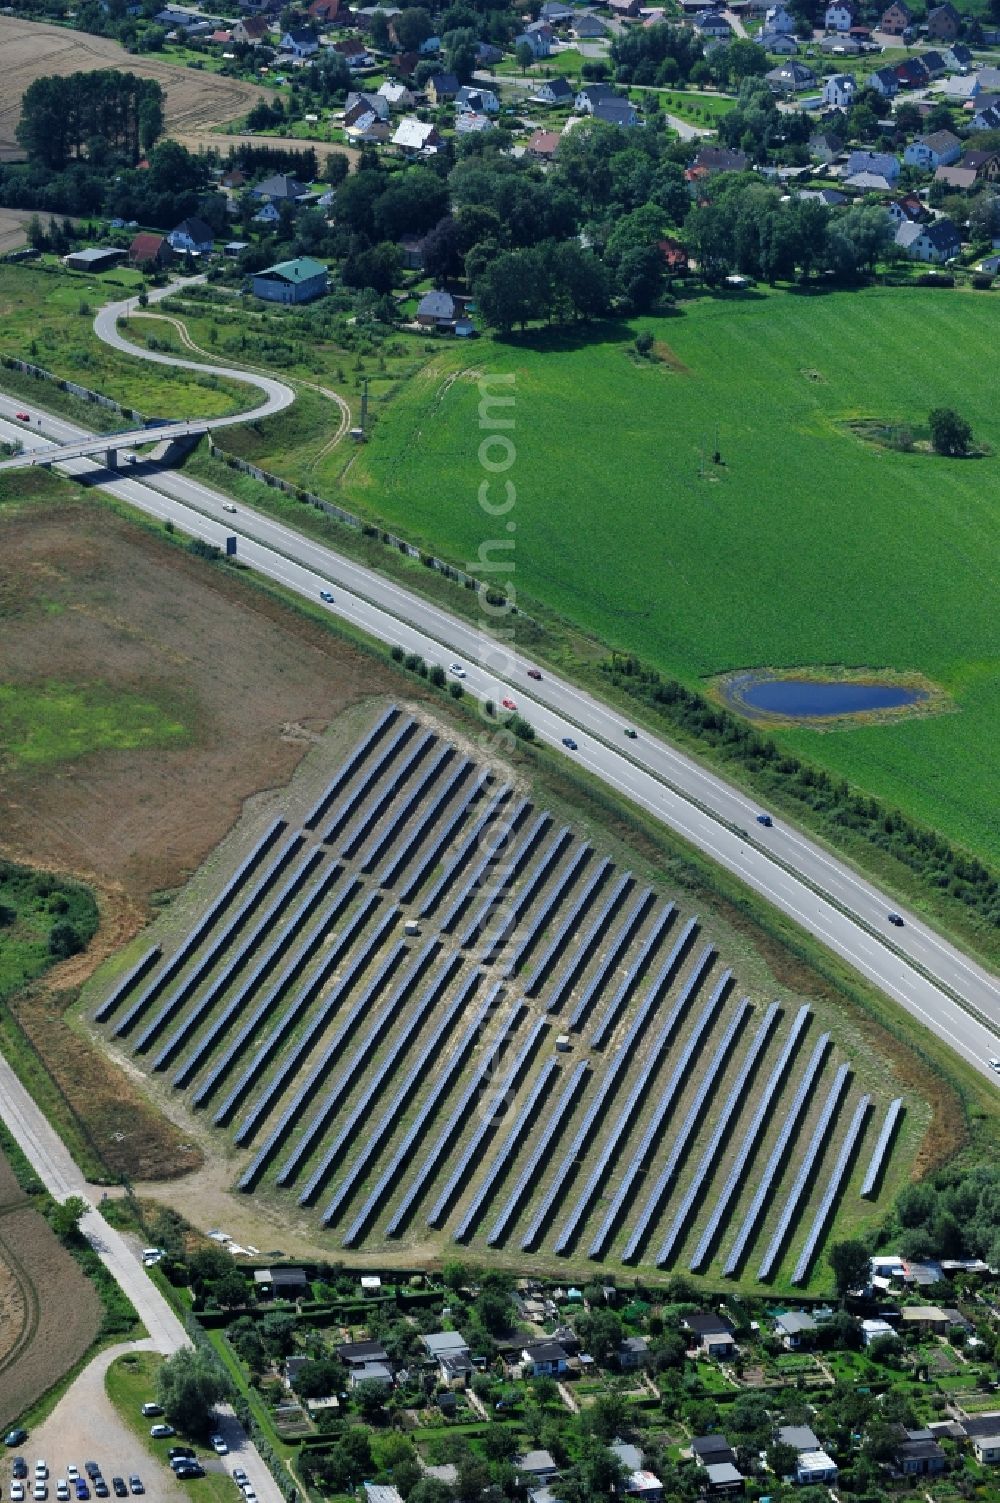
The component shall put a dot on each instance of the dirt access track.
(196, 101)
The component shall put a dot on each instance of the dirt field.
(253, 686)
(195, 101)
(13, 223)
(47, 1334)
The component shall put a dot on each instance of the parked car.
(176, 1451)
(19, 1468)
(40, 1491)
(135, 1483)
(150, 1409)
(218, 1445)
(82, 1490)
(995, 1065)
(73, 1472)
(17, 1492)
(239, 1476)
(118, 1487)
(101, 1488)
(91, 1468)
(15, 1437)
(41, 1471)
(162, 1432)
(188, 1470)
(62, 1490)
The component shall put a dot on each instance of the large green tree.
(189, 1385)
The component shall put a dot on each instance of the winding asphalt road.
(925, 974)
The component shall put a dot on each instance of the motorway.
(944, 989)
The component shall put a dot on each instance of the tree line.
(89, 114)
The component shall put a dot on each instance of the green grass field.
(42, 724)
(806, 547)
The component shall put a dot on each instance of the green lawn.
(130, 1381)
(31, 905)
(805, 548)
(42, 724)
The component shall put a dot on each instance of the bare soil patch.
(61, 1315)
(13, 222)
(104, 600)
(195, 100)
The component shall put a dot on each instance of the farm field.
(195, 100)
(145, 633)
(386, 1039)
(805, 547)
(50, 1312)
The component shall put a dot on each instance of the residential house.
(362, 123)
(711, 159)
(713, 1334)
(795, 1329)
(940, 149)
(450, 1350)
(537, 1467)
(815, 1468)
(830, 198)
(299, 41)
(554, 91)
(711, 1450)
(284, 1283)
(633, 1353)
(936, 243)
(711, 23)
(233, 179)
(538, 36)
(874, 1330)
(436, 310)
(487, 56)
(370, 1372)
(779, 43)
(327, 13)
(908, 209)
(415, 135)
(825, 146)
(926, 1318)
(885, 82)
(919, 1455)
(355, 53)
(298, 281)
(377, 103)
(192, 235)
(778, 19)
(442, 88)
(987, 118)
(588, 28)
(958, 57)
(620, 112)
(591, 95)
(556, 13)
(944, 24)
(961, 179)
(934, 62)
(150, 250)
(840, 44)
(251, 31)
(801, 1438)
(411, 250)
(897, 21)
(233, 249)
(723, 1479)
(911, 74)
(281, 189)
(789, 78)
(468, 122)
(544, 144)
(221, 38)
(880, 164)
(986, 1448)
(95, 258)
(838, 16)
(630, 1456)
(985, 164)
(473, 100)
(624, 8)
(396, 95)
(267, 214)
(839, 90)
(544, 1359)
(355, 1354)
(643, 1484)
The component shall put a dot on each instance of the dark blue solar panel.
(832, 1191)
(546, 1137)
(807, 1169)
(350, 767)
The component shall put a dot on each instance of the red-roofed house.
(329, 12)
(150, 250)
(544, 144)
(674, 254)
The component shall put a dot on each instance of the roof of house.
(918, 1450)
(201, 233)
(705, 1446)
(440, 1342)
(595, 91)
(637, 1344)
(630, 1456)
(414, 133)
(280, 186)
(708, 1323)
(940, 141)
(816, 1461)
(800, 1437)
(615, 111)
(537, 1461)
(721, 1473)
(300, 36)
(281, 1276)
(558, 87)
(957, 176)
(977, 1426)
(145, 246)
(444, 83)
(926, 1312)
(436, 304)
(354, 1352)
(794, 1321)
(544, 1351)
(544, 143)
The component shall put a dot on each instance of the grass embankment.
(46, 316)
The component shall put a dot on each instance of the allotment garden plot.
(430, 1013)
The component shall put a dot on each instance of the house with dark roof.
(885, 82)
(790, 77)
(473, 100)
(590, 95)
(935, 243)
(713, 1334)
(911, 74)
(633, 1353)
(709, 1450)
(280, 189)
(897, 20)
(299, 41)
(329, 13)
(554, 91)
(944, 24)
(918, 1454)
(436, 310)
(251, 31)
(839, 90)
(544, 1359)
(779, 43)
(985, 164)
(620, 112)
(442, 88)
(873, 164)
(285, 1283)
(192, 235)
(720, 159)
(586, 27)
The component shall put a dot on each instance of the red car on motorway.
(508, 704)
(23, 417)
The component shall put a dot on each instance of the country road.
(920, 970)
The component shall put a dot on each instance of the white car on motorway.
(456, 670)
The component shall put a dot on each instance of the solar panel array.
(369, 1010)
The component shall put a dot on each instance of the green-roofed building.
(296, 281)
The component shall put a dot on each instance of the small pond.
(800, 698)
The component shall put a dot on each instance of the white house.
(839, 91)
(473, 100)
(838, 17)
(936, 243)
(880, 164)
(884, 80)
(377, 103)
(940, 149)
(815, 1467)
(396, 95)
(415, 135)
(192, 235)
(780, 20)
(537, 36)
(590, 96)
(299, 41)
(554, 91)
(874, 1330)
